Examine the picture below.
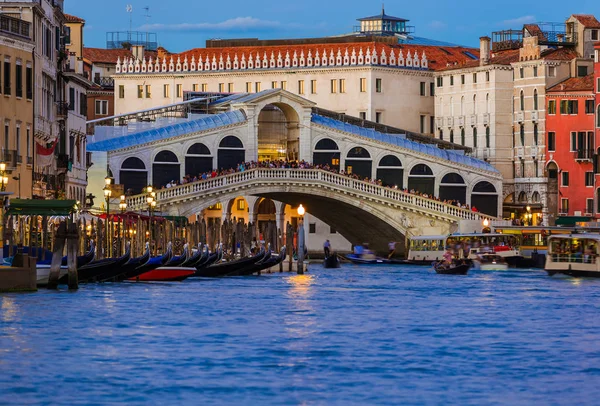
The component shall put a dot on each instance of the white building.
(381, 73)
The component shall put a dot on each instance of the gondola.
(262, 265)
(152, 264)
(332, 261)
(194, 259)
(130, 266)
(179, 259)
(213, 258)
(91, 271)
(83, 259)
(454, 269)
(166, 274)
(226, 268)
(256, 267)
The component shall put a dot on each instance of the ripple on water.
(352, 336)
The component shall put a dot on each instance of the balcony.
(486, 119)
(520, 116)
(62, 162)
(535, 151)
(439, 122)
(88, 160)
(461, 121)
(29, 160)
(535, 116)
(520, 152)
(43, 126)
(105, 82)
(62, 110)
(9, 157)
(450, 122)
(15, 26)
(584, 155)
(473, 121)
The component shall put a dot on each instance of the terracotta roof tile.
(101, 55)
(74, 19)
(560, 54)
(579, 84)
(437, 56)
(588, 20)
(497, 58)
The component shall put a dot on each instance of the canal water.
(353, 336)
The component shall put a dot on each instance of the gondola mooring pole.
(300, 264)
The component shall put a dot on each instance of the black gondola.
(213, 258)
(332, 261)
(152, 263)
(226, 268)
(454, 269)
(131, 265)
(262, 265)
(256, 267)
(91, 271)
(179, 259)
(194, 259)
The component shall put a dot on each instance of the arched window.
(484, 187)
(453, 187)
(452, 136)
(485, 198)
(522, 101)
(522, 133)
(166, 156)
(535, 134)
(390, 160)
(198, 149)
(133, 163)
(474, 104)
(327, 144)
(231, 142)
(453, 179)
(474, 137)
(535, 99)
(487, 136)
(522, 197)
(421, 170)
(358, 152)
(462, 136)
(487, 103)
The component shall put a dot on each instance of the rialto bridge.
(276, 124)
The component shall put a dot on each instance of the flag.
(44, 156)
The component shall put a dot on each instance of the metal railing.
(307, 177)
(104, 81)
(584, 154)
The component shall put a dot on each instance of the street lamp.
(3, 177)
(151, 200)
(123, 204)
(301, 212)
(107, 195)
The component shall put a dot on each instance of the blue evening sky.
(185, 24)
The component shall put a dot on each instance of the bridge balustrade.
(321, 177)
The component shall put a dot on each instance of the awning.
(23, 207)
(571, 220)
(130, 216)
(177, 220)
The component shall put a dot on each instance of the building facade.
(374, 74)
(570, 145)
(16, 103)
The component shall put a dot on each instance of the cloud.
(437, 25)
(234, 24)
(519, 20)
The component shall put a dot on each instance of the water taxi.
(574, 255)
(423, 250)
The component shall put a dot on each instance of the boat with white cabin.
(574, 254)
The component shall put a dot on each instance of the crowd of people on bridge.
(284, 164)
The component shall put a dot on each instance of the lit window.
(140, 91)
(363, 85)
(148, 91)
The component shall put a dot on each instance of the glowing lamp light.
(486, 223)
(301, 210)
(107, 181)
(2, 166)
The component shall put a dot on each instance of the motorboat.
(490, 262)
(574, 254)
(373, 260)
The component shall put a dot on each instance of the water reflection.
(300, 319)
(9, 309)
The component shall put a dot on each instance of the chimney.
(162, 53)
(560, 37)
(138, 52)
(484, 50)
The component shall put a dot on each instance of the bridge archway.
(390, 171)
(359, 162)
(422, 179)
(133, 175)
(231, 152)
(198, 160)
(327, 152)
(165, 168)
(453, 187)
(485, 198)
(278, 132)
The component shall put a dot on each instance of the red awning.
(130, 217)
